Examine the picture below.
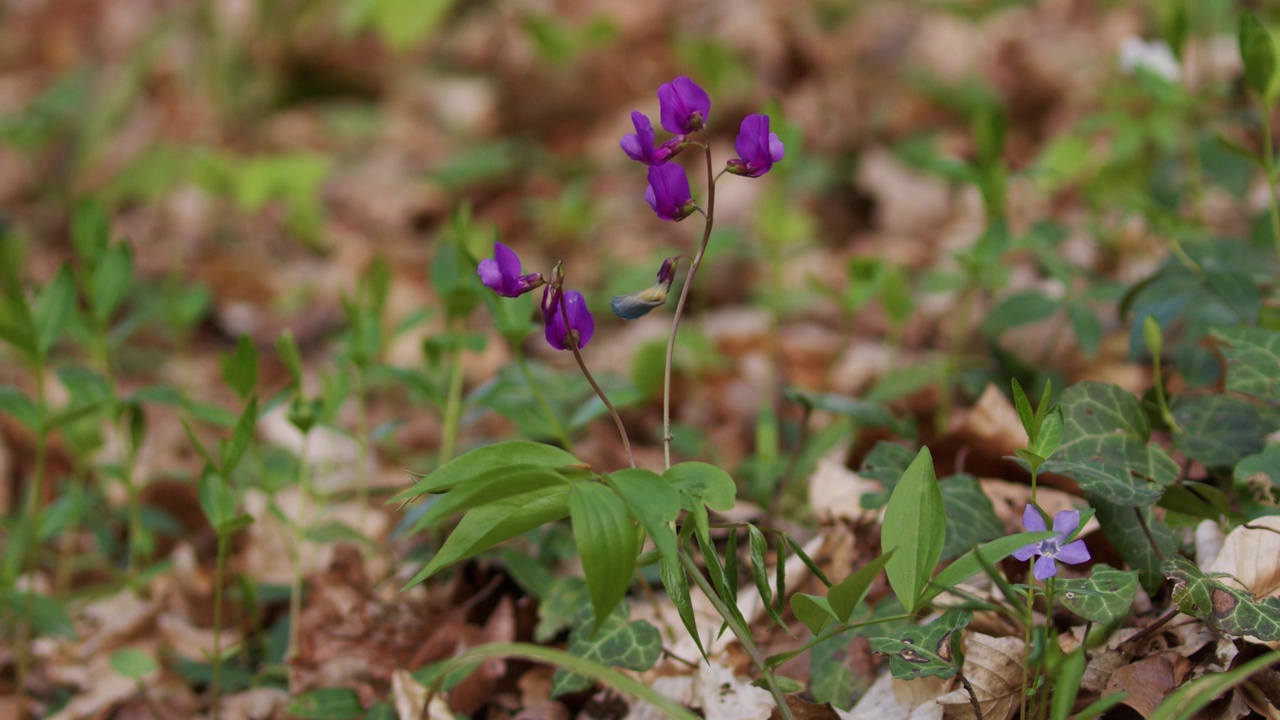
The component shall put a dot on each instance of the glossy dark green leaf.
(886, 462)
(832, 678)
(1252, 354)
(971, 517)
(1224, 608)
(1120, 525)
(1258, 52)
(616, 642)
(607, 544)
(1104, 596)
(925, 651)
(914, 527)
(705, 483)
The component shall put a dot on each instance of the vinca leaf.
(924, 651)
(616, 643)
(1104, 596)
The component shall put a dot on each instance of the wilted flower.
(581, 326)
(1052, 549)
(639, 145)
(668, 192)
(501, 273)
(638, 304)
(684, 106)
(758, 149)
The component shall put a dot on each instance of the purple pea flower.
(1053, 549)
(684, 106)
(581, 325)
(639, 145)
(638, 304)
(668, 192)
(501, 273)
(758, 149)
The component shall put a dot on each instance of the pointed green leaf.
(1052, 428)
(216, 500)
(331, 703)
(676, 584)
(494, 485)
(845, 595)
(886, 462)
(925, 651)
(812, 610)
(607, 544)
(1106, 595)
(90, 231)
(52, 310)
(705, 483)
(1252, 354)
(287, 349)
(970, 564)
(485, 459)
(915, 526)
(1120, 525)
(1023, 406)
(1220, 430)
(1258, 52)
(240, 368)
(111, 280)
(615, 642)
(653, 501)
(15, 404)
(758, 549)
(241, 435)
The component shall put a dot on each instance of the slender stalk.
(1161, 400)
(572, 342)
(710, 215)
(31, 547)
(299, 535)
(1146, 530)
(452, 408)
(1269, 163)
(362, 429)
(1026, 637)
(741, 632)
(973, 697)
(556, 428)
(218, 577)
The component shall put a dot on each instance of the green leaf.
(1087, 327)
(48, 616)
(970, 564)
(132, 663)
(557, 610)
(1224, 608)
(1017, 309)
(486, 526)
(1252, 355)
(1120, 525)
(831, 678)
(1152, 335)
(704, 483)
(90, 231)
(217, 500)
(493, 485)
(845, 595)
(52, 310)
(862, 412)
(615, 642)
(334, 531)
(971, 518)
(1066, 686)
(1257, 482)
(1023, 405)
(813, 610)
(886, 462)
(915, 527)
(676, 584)
(1220, 430)
(1258, 52)
(287, 349)
(1197, 499)
(607, 544)
(927, 651)
(326, 704)
(241, 435)
(757, 549)
(15, 404)
(653, 501)
(484, 460)
(1105, 449)
(1105, 596)
(240, 368)
(110, 281)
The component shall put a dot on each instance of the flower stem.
(299, 537)
(219, 575)
(571, 340)
(452, 408)
(33, 519)
(680, 304)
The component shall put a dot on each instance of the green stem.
(1161, 400)
(362, 429)
(709, 214)
(556, 428)
(740, 631)
(299, 535)
(1026, 636)
(571, 340)
(218, 577)
(34, 511)
(1270, 165)
(452, 407)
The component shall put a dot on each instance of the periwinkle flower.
(501, 273)
(683, 105)
(1052, 550)
(638, 304)
(758, 149)
(639, 145)
(581, 326)
(668, 192)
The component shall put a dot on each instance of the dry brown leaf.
(835, 491)
(994, 668)
(802, 709)
(255, 704)
(1149, 680)
(1251, 555)
(410, 697)
(890, 699)
(993, 424)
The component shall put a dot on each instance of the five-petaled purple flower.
(639, 145)
(581, 325)
(1053, 549)
(684, 106)
(501, 273)
(668, 192)
(758, 149)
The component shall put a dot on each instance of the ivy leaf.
(1222, 607)
(1104, 447)
(1104, 596)
(1252, 354)
(831, 678)
(886, 462)
(925, 651)
(1120, 525)
(1220, 430)
(971, 518)
(616, 643)
(557, 610)
(1257, 482)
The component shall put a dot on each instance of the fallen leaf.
(994, 667)
(802, 709)
(1250, 556)
(890, 699)
(1148, 680)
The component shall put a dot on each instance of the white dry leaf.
(189, 641)
(410, 696)
(722, 696)
(675, 687)
(1251, 555)
(890, 699)
(994, 668)
(1209, 539)
(115, 618)
(994, 422)
(1154, 56)
(835, 491)
(255, 704)
(333, 457)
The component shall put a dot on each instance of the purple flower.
(501, 273)
(1072, 553)
(638, 304)
(639, 145)
(758, 149)
(581, 325)
(668, 192)
(684, 106)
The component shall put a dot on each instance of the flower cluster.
(684, 109)
(568, 322)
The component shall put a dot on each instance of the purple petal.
(1044, 568)
(580, 318)
(1032, 520)
(1024, 554)
(776, 150)
(489, 274)
(753, 128)
(1073, 553)
(684, 106)
(508, 261)
(1066, 522)
(639, 146)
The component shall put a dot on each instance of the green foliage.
(607, 544)
(1258, 51)
(566, 598)
(1252, 355)
(931, 650)
(1222, 607)
(326, 704)
(1256, 481)
(132, 663)
(1103, 597)
(485, 460)
(612, 642)
(1221, 430)
(914, 529)
(971, 517)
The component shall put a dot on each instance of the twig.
(973, 697)
(1155, 625)
(1150, 537)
